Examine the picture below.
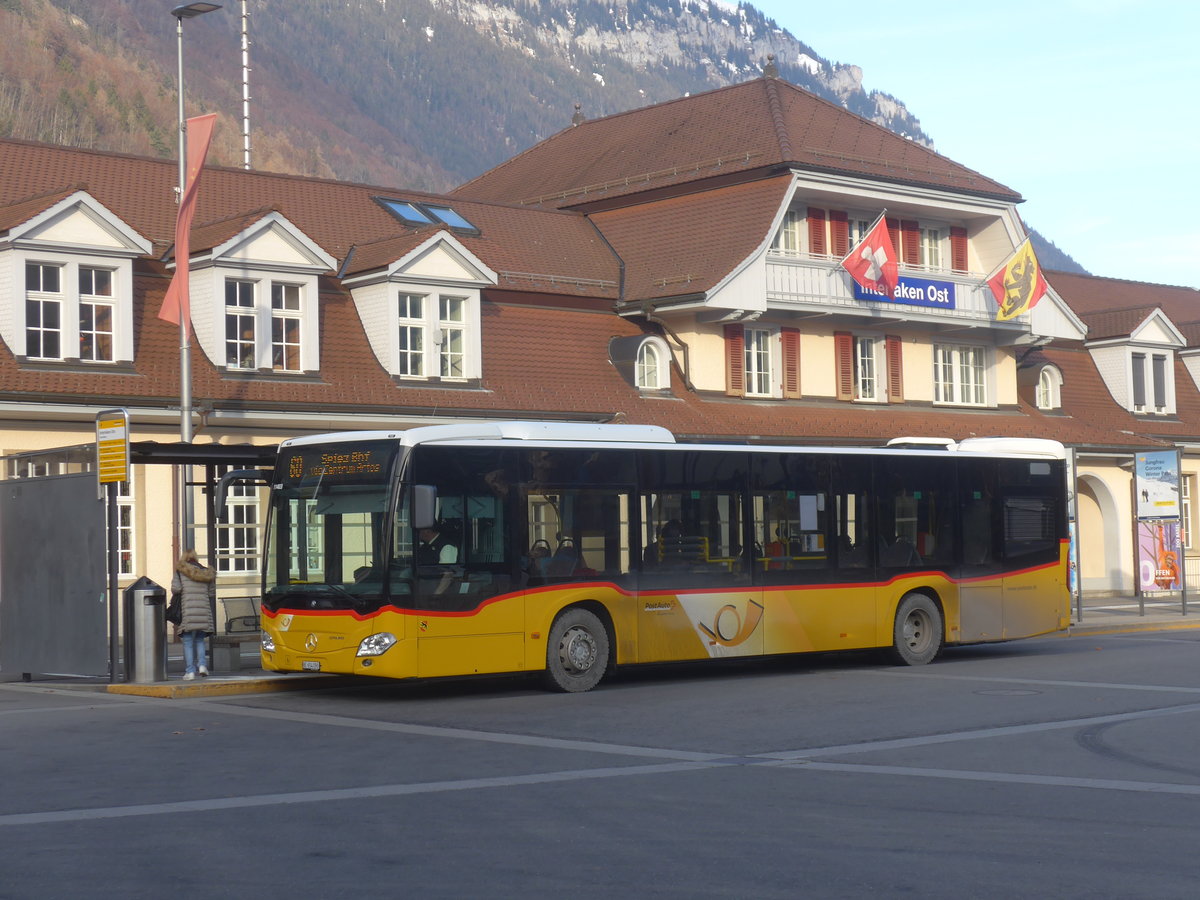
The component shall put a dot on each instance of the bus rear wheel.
(917, 634)
(577, 651)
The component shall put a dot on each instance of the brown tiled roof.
(1115, 323)
(760, 124)
(22, 211)
(1087, 294)
(336, 215)
(685, 245)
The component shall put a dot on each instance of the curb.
(1131, 628)
(211, 687)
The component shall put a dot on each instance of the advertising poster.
(1159, 556)
(1157, 484)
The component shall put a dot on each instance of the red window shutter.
(790, 338)
(843, 345)
(816, 232)
(958, 248)
(895, 368)
(839, 233)
(911, 254)
(893, 227)
(735, 360)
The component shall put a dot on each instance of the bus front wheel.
(917, 634)
(577, 651)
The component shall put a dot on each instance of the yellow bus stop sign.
(112, 445)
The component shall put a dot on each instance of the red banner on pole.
(176, 306)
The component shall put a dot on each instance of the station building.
(676, 265)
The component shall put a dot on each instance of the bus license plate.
(311, 665)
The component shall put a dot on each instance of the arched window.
(651, 370)
(1049, 388)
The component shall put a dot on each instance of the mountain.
(419, 93)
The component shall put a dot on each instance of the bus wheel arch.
(579, 648)
(919, 629)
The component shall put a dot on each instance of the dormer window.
(260, 335)
(651, 370)
(51, 310)
(1150, 375)
(1049, 389)
(435, 333)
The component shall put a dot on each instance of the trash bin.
(145, 606)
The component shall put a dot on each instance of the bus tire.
(917, 633)
(576, 652)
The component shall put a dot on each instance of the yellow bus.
(569, 549)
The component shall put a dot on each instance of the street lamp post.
(185, 11)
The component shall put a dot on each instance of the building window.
(285, 327)
(258, 335)
(931, 248)
(453, 332)
(958, 375)
(758, 362)
(787, 238)
(239, 324)
(43, 311)
(1150, 382)
(96, 314)
(125, 531)
(650, 371)
(238, 534)
(412, 335)
(435, 336)
(866, 368)
(1049, 388)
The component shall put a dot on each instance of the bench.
(241, 627)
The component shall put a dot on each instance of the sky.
(1089, 110)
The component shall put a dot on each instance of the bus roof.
(585, 433)
(555, 432)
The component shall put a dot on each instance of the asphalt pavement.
(1095, 616)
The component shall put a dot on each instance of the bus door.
(1033, 521)
(848, 612)
(981, 584)
(576, 536)
(696, 598)
(467, 611)
(915, 524)
(793, 552)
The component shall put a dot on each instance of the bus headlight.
(268, 642)
(376, 644)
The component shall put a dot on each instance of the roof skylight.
(410, 212)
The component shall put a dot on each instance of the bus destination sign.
(358, 463)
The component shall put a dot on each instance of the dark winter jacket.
(197, 585)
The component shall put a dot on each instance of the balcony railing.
(808, 283)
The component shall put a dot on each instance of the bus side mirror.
(424, 506)
(237, 475)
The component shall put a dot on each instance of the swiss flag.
(872, 262)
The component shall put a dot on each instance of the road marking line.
(1106, 784)
(326, 796)
(978, 734)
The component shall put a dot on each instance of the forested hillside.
(419, 93)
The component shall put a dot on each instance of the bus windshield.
(330, 510)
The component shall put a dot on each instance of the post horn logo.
(729, 628)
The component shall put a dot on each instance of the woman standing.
(197, 587)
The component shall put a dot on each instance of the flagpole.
(875, 221)
(185, 341)
(1004, 262)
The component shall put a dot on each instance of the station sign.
(913, 292)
